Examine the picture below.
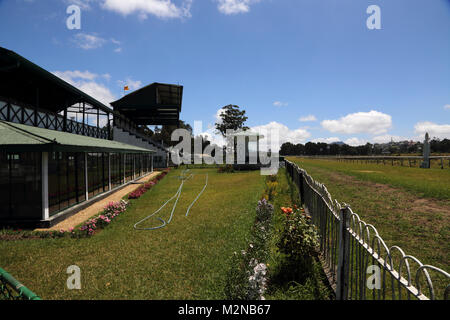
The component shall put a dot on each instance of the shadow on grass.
(299, 280)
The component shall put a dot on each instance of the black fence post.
(344, 255)
(300, 187)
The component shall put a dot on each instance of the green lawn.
(410, 207)
(188, 259)
(430, 183)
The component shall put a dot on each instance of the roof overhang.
(26, 82)
(155, 104)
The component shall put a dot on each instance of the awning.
(155, 104)
(22, 138)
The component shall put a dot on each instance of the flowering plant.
(110, 212)
(257, 280)
(136, 194)
(299, 239)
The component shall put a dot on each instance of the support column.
(84, 124)
(152, 163)
(44, 181)
(134, 166)
(86, 175)
(36, 107)
(109, 171)
(124, 168)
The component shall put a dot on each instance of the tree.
(232, 118)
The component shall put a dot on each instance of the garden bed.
(281, 258)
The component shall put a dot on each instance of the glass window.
(116, 170)
(72, 179)
(105, 162)
(92, 173)
(63, 181)
(25, 185)
(4, 187)
(129, 167)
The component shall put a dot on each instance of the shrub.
(136, 194)
(270, 190)
(247, 277)
(226, 169)
(299, 239)
(264, 211)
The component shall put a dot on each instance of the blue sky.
(283, 61)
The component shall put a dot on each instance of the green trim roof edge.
(18, 137)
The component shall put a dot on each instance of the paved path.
(96, 207)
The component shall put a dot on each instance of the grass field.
(410, 207)
(188, 259)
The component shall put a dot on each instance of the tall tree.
(232, 118)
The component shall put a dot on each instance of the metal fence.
(358, 262)
(11, 289)
(436, 162)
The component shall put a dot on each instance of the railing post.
(301, 188)
(344, 255)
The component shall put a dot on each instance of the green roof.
(22, 138)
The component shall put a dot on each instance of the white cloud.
(117, 42)
(284, 135)
(355, 142)
(235, 6)
(280, 104)
(441, 131)
(88, 41)
(106, 76)
(326, 140)
(83, 4)
(213, 137)
(93, 41)
(447, 107)
(388, 138)
(309, 118)
(158, 8)
(85, 81)
(372, 122)
(270, 132)
(217, 116)
(132, 84)
(70, 75)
